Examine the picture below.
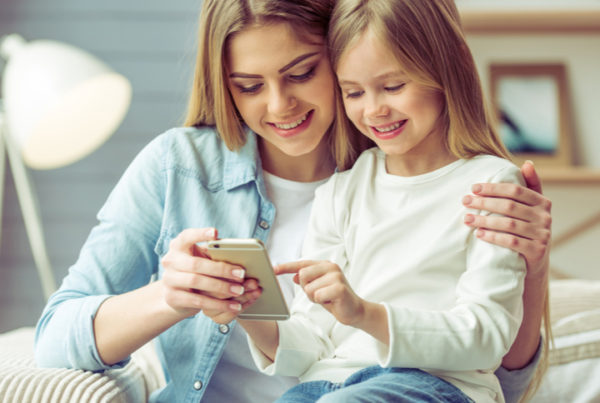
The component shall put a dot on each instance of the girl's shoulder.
(357, 176)
(494, 169)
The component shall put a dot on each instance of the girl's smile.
(388, 131)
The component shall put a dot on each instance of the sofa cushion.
(574, 358)
(22, 382)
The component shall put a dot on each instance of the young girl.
(401, 302)
(259, 138)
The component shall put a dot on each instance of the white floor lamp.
(58, 104)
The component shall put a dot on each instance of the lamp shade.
(60, 102)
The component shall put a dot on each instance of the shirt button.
(263, 224)
(223, 329)
(198, 385)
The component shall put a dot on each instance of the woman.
(260, 137)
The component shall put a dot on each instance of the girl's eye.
(354, 94)
(394, 88)
(249, 90)
(305, 76)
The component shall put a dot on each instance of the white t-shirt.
(236, 378)
(453, 301)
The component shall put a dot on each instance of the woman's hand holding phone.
(192, 282)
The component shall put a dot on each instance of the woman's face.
(283, 88)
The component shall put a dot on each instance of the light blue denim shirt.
(185, 178)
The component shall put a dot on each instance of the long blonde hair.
(211, 103)
(427, 40)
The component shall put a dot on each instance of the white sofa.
(571, 378)
(22, 382)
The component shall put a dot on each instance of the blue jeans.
(378, 385)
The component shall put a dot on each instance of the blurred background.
(152, 43)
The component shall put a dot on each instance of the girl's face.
(402, 117)
(283, 89)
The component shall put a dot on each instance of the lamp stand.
(29, 207)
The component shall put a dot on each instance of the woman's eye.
(393, 88)
(305, 76)
(249, 90)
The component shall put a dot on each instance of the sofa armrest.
(21, 381)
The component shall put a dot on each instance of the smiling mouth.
(387, 129)
(291, 125)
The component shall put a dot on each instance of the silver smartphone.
(252, 255)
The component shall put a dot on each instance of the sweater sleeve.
(478, 330)
(305, 337)
(515, 382)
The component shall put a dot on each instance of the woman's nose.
(280, 101)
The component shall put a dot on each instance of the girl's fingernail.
(467, 200)
(240, 273)
(476, 188)
(235, 307)
(469, 218)
(237, 289)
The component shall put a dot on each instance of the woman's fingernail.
(467, 200)
(210, 232)
(530, 162)
(240, 273)
(236, 307)
(480, 233)
(469, 218)
(476, 188)
(237, 289)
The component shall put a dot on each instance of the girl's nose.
(376, 108)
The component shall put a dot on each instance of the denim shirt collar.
(242, 166)
(245, 166)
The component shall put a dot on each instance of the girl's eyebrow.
(281, 70)
(385, 76)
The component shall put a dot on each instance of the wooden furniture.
(479, 19)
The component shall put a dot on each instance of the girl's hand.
(526, 227)
(192, 282)
(325, 284)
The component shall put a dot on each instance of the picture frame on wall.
(531, 102)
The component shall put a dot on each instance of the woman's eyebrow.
(281, 70)
(244, 75)
(296, 61)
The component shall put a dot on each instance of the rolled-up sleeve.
(117, 257)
